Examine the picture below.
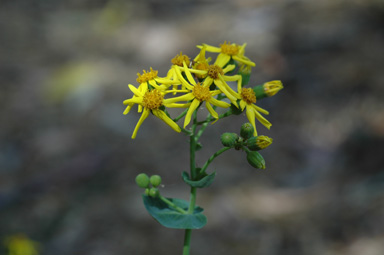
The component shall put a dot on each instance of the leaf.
(202, 183)
(170, 218)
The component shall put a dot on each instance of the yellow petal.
(263, 120)
(188, 74)
(195, 103)
(222, 60)
(250, 112)
(143, 116)
(244, 61)
(185, 97)
(211, 110)
(135, 90)
(210, 48)
(257, 108)
(219, 103)
(164, 117)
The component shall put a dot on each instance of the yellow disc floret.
(248, 95)
(153, 99)
(214, 71)
(179, 59)
(146, 76)
(229, 49)
(201, 93)
(263, 141)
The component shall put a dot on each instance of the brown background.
(67, 163)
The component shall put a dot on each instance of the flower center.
(201, 66)
(201, 93)
(214, 71)
(146, 76)
(153, 99)
(229, 49)
(248, 95)
(178, 60)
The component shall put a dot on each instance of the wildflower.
(272, 87)
(227, 52)
(152, 102)
(268, 89)
(201, 63)
(215, 74)
(198, 93)
(256, 143)
(180, 59)
(247, 101)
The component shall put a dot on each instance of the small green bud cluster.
(145, 182)
(249, 143)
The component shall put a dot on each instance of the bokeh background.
(67, 163)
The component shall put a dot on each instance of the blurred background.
(67, 162)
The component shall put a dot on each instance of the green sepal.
(203, 182)
(234, 110)
(198, 146)
(259, 92)
(245, 77)
(171, 218)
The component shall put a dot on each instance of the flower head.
(180, 59)
(151, 101)
(198, 93)
(228, 51)
(247, 101)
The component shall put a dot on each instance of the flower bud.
(153, 192)
(258, 142)
(229, 139)
(255, 159)
(142, 180)
(268, 89)
(155, 180)
(246, 130)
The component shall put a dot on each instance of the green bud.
(268, 89)
(258, 142)
(255, 159)
(247, 130)
(142, 180)
(153, 192)
(229, 139)
(147, 191)
(155, 180)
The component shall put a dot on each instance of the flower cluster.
(190, 83)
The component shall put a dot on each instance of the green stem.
(192, 201)
(181, 115)
(187, 241)
(172, 205)
(217, 153)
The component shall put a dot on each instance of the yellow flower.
(272, 87)
(180, 59)
(201, 63)
(227, 52)
(151, 101)
(247, 101)
(151, 78)
(198, 93)
(215, 74)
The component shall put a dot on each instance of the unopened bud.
(255, 159)
(155, 180)
(142, 180)
(247, 130)
(258, 142)
(229, 139)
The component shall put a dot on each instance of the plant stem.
(192, 201)
(217, 153)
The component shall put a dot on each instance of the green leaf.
(205, 181)
(170, 217)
